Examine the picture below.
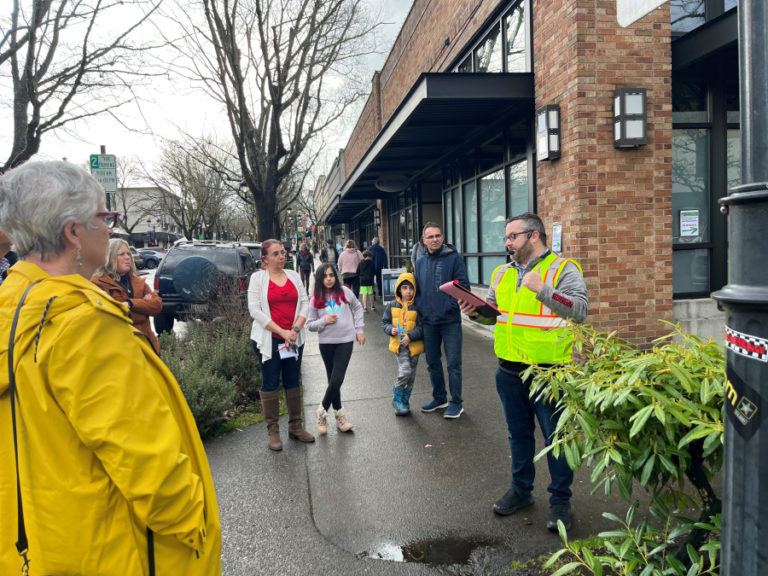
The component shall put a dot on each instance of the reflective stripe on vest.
(535, 334)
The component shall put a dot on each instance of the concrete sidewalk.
(419, 487)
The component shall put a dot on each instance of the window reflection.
(690, 184)
(488, 54)
(515, 27)
(686, 15)
(493, 221)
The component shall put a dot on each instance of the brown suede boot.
(295, 429)
(270, 406)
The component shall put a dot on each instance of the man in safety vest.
(535, 293)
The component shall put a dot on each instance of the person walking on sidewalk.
(379, 263)
(329, 254)
(278, 304)
(535, 293)
(348, 262)
(402, 322)
(337, 316)
(305, 262)
(441, 317)
(366, 273)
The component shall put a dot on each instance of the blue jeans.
(519, 412)
(450, 336)
(272, 369)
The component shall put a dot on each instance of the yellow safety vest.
(527, 331)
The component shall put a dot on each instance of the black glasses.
(110, 218)
(512, 236)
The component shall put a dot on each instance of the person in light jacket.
(277, 302)
(113, 477)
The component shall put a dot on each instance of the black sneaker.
(511, 502)
(560, 512)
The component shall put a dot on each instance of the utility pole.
(745, 299)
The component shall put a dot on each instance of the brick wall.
(614, 205)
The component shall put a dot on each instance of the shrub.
(648, 416)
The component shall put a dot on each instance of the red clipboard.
(458, 291)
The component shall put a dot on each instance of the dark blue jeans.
(275, 367)
(450, 336)
(519, 412)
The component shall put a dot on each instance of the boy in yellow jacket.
(402, 322)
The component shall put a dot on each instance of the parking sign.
(104, 169)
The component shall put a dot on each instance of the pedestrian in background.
(535, 293)
(306, 263)
(366, 272)
(118, 279)
(402, 323)
(379, 263)
(112, 476)
(329, 254)
(348, 262)
(441, 317)
(7, 257)
(419, 249)
(278, 303)
(337, 317)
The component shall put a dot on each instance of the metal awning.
(441, 114)
(716, 39)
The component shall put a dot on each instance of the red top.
(282, 304)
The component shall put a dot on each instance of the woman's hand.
(331, 318)
(289, 336)
(360, 339)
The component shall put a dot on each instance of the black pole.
(745, 299)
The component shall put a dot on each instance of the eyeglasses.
(277, 253)
(512, 236)
(433, 237)
(110, 218)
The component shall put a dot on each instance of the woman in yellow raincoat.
(113, 476)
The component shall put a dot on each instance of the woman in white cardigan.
(278, 305)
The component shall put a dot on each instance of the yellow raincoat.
(107, 444)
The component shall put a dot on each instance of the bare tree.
(191, 194)
(284, 71)
(69, 60)
(133, 203)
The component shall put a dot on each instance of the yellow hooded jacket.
(407, 313)
(107, 444)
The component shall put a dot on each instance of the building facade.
(449, 134)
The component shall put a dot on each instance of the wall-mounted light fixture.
(629, 118)
(376, 217)
(548, 132)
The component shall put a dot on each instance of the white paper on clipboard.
(458, 291)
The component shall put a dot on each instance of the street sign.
(104, 169)
(629, 11)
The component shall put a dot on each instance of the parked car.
(137, 259)
(255, 249)
(202, 280)
(151, 257)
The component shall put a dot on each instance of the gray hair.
(375, 240)
(110, 267)
(38, 198)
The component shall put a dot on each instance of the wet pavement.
(395, 492)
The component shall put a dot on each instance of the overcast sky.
(175, 109)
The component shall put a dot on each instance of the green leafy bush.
(653, 417)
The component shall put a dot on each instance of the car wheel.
(150, 264)
(163, 322)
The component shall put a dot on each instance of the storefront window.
(690, 186)
(488, 55)
(689, 102)
(690, 271)
(494, 209)
(517, 184)
(470, 215)
(515, 33)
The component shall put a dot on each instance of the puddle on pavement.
(446, 551)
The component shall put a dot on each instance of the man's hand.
(532, 281)
(466, 307)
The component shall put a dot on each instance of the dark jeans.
(272, 369)
(519, 411)
(305, 273)
(336, 359)
(450, 336)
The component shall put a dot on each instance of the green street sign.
(104, 170)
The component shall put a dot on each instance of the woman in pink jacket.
(349, 259)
